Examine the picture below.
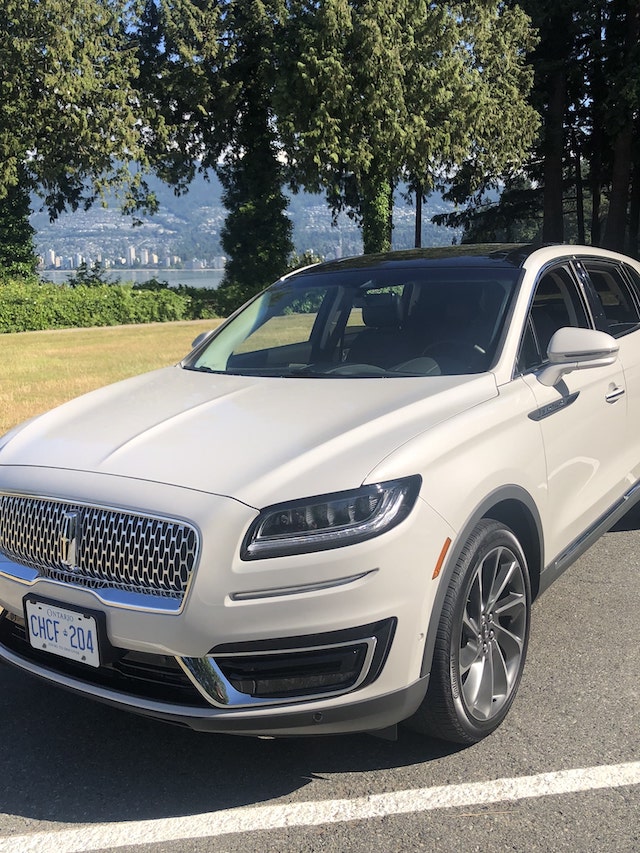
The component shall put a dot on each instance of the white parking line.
(251, 819)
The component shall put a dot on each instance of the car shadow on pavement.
(629, 521)
(69, 760)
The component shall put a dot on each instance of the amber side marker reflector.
(443, 554)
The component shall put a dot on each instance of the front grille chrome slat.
(98, 547)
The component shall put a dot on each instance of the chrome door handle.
(614, 395)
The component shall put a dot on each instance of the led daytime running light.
(330, 521)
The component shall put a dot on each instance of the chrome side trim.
(210, 681)
(552, 408)
(583, 542)
(319, 586)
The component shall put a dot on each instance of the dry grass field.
(40, 370)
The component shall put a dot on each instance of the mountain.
(188, 226)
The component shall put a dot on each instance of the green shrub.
(92, 276)
(203, 302)
(29, 304)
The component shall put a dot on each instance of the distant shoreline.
(190, 278)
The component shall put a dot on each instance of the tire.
(482, 639)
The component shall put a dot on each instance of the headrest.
(382, 310)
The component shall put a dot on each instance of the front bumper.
(183, 704)
(368, 603)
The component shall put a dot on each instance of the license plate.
(60, 631)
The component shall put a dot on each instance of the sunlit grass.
(40, 370)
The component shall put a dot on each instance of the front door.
(583, 419)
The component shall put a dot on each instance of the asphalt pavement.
(551, 778)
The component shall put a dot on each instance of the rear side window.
(619, 305)
(635, 281)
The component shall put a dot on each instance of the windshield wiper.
(202, 369)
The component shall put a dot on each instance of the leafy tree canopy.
(70, 117)
(371, 92)
(17, 255)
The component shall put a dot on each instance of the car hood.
(258, 440)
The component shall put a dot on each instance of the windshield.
(411, 321)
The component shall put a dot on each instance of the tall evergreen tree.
(185, 96)
(554, 61)
(587, 90)
(481, 125)
(341, 105)
(208, 71)
(257, 231)
(622, 70)
(372, 92)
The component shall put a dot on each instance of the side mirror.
(201, 337)
(577, 349)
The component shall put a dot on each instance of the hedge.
(31, 304)
(203, 302)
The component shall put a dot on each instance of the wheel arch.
(514, 507)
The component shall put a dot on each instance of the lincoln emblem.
(69, 539)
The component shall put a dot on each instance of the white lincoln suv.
(334, 514)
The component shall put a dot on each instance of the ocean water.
(190, 278)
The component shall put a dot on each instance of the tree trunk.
(376, 210)
(553, 223)
(418, 225)
(599, 90)
(634, 200)
(616, 225)
(579, 191)
(595, 168)
(634, 214)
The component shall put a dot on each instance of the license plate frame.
(64, 630)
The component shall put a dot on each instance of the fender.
(499, 505)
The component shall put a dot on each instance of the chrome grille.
(97, 547)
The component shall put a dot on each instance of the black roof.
(485, 254)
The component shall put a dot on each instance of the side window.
(615, 296)
(635, 280)
(557, 303)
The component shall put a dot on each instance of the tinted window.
(614, 294)
(635, 280)
(557, 303)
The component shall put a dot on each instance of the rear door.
(616, 288)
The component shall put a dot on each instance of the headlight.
(330, 521)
